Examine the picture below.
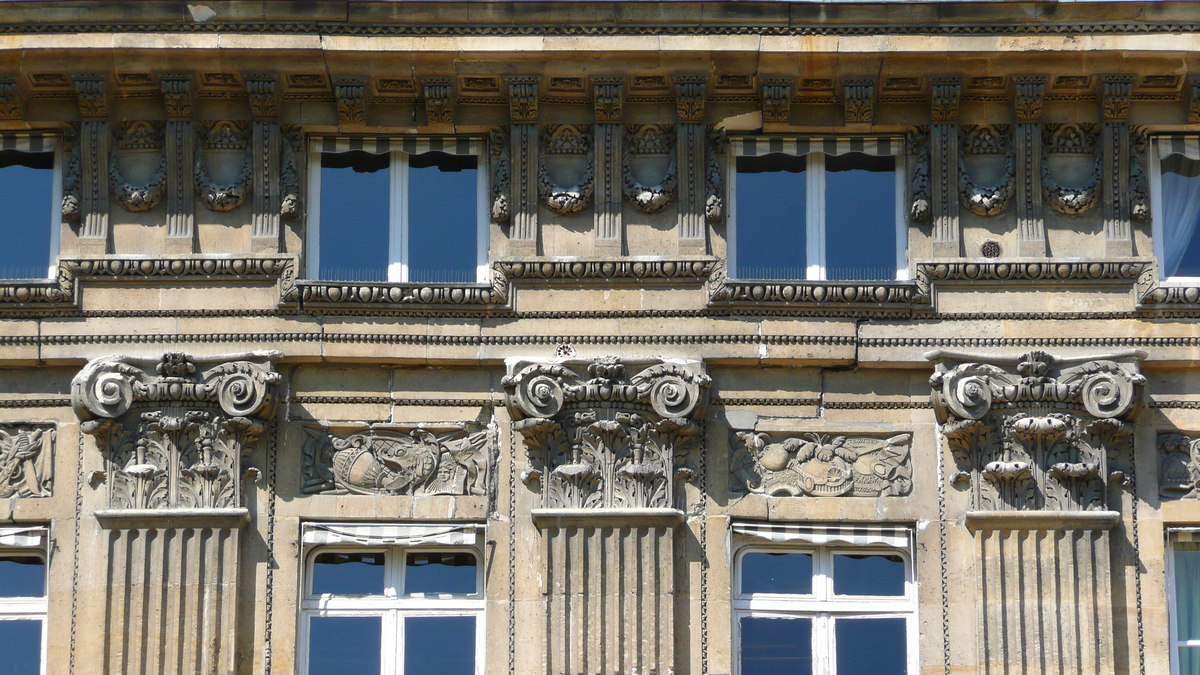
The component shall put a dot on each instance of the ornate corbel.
(943, 143)
(649, 139)
(986, 200)
(137, 136)
(567, 140)
(12, 101)
(523, 98)
(858, 100)
(264, 99)
(1037, 432)
(1028, 91)
(599, 438)
(223, 135)
(351, 96)
(91, 94)
(173, 437)
(439, 100)
(776, 100)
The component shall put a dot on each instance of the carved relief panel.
(26, 460)
(607, 434)
(1037, 432)
(434, 459)
(173, 438)
(820, 465)
(1179, 466)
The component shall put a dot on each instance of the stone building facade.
(622, 451)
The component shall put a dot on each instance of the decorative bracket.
(439, 100)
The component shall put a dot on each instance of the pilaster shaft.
(93, 143)
(609, 94)
(180, 147)
(1114, 113)
(523, 112)
(691, 145)
(265, 137)
(943, 150)
(1027, 104)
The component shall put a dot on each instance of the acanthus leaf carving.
(567, 139)
(609, 99)
(821, 465)
(26, 460)
(173, 438)
(439, 101)
(607, 440)
(649, 139)
(261, 89)
(777, 99)
(1036, 432)
(859, 100)
(11, 101)
(523, 98)
(351, 97)
(435, 459)
(1027, 97)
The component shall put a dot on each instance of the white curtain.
(1180, 209)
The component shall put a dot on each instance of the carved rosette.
(599, 438)
(447, 459)
(26, 460)
(821, 465)
(173, 438)
(1037, 432)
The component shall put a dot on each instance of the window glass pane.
(440, 572)
(344, 645)
(26, 188)
(1187, 590)
(22, 641)
(871, 646)
(22, 576)
(357, 573)
(439, 645)
(860, 217)
(1189, 661)
(871, 574)
(1180, 213)
(355, 198)
(442, 219)
(770, 202)
(776, 646)
(764, 572)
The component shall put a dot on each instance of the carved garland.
(1074, 139)
(918, 145)
(138, 198)
(567, 139)
(72, 198)
(990, 200)
(714, 204)
(649, 139)
(222, 197)
(499, 151)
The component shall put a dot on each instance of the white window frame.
(1156, 216)
(822, 606)
(55, 221)
(1174, 643)
(814, 216)
(30, 608)
(398, 237)
(392, 607)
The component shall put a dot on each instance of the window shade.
(830, 145)
(864, 535)
(1188, 146)
(413, 145)
(447, 534)
(28, 142)
(23, 537)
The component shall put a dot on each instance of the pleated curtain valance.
(1186, 145)
(820, 535)
(444, 534)
(413, 145)
(28, 142)
(830, 145)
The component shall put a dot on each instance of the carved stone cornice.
(93, 101)
(439, 100)
(1037, 432)
(820, 464)
(858, 100)
(177, 95)
(689, 97)
(777, 99)
(173, 437)
(523, 98)
(609, 99)
(607, 433)
(1027, 97)
(264, 101)
(1114, 100)
(944, 100)
(351, 96)
(12, 102)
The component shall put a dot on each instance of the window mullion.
(814, 230)
(901, 173)
(398, 218)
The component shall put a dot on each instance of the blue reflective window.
(26, 190)
(440, 572)
(425, 645)
(442, 217)
(22, 576)
(22, 641)
(871, 646)
(860, 217)
(868, 574)
(770, 572)
(355, 216)
(1180, 213)
(771, 202)
(344, 645)
(355, 573)
(776, 646)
